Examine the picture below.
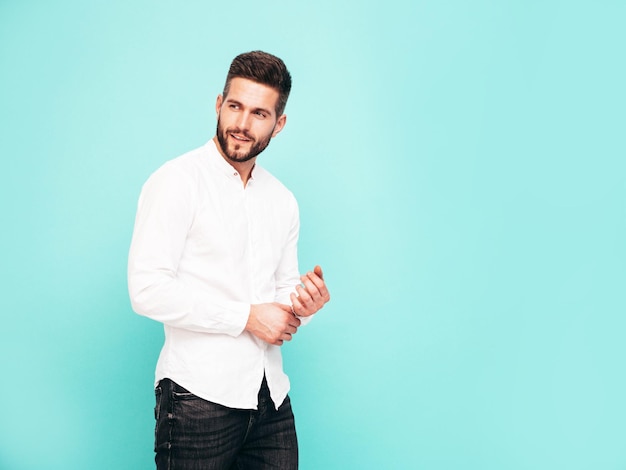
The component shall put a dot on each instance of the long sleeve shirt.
(204, 249)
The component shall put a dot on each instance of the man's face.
(246, 119)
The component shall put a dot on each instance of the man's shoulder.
(272, 183)
(179, 174)
(185, 165)
(188, 161)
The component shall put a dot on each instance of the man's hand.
(311, 295)
(273, 323)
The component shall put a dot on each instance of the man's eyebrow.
(267, 111)
(238, 103)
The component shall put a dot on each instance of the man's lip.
(240, 137)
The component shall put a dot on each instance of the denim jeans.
(195, 434)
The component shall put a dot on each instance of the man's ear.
(218, 104)
(280, 123)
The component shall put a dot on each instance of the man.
(213, 257)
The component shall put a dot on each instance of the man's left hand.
(312, 294)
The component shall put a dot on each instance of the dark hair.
(263, 68)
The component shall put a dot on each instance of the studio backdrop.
(460, 169)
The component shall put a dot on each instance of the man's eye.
(260, 114)
(233, 106)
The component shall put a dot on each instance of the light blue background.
(460, 171)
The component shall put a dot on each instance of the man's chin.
(237, 156)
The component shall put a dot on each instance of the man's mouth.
(240, 137)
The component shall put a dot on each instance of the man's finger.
(304, 296)
(297, 306)
(318, 270)
(294, 321)
(285, 307)
(313, 278)
(311, 285)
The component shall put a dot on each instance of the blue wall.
(460, 170)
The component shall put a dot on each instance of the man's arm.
(307, 293)
(287, 275)
(165, 212)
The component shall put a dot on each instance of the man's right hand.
(273, 323)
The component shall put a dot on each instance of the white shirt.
(204, 248)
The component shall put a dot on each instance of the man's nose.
(243, 121)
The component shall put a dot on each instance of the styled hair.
(263, 68)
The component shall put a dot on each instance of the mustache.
(236, 130)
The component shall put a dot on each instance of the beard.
(236, 154)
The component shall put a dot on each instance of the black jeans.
(195, 434)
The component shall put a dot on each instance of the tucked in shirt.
(204, 248)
